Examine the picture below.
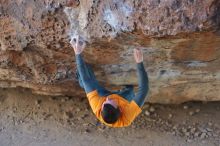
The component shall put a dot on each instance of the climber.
(114, 109)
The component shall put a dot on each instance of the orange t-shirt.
(129, 110)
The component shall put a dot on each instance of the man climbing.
(115, 109)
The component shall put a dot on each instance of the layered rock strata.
(180, 40)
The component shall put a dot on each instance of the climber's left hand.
(78, 45)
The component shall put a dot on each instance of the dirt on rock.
(34, 120)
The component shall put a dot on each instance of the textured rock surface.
(180, 39)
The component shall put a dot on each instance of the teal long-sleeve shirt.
(88, 80)
(143, 85)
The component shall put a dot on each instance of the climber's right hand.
(138, 55)
(78, 46)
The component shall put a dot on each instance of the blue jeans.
(127, 92)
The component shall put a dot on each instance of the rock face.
(180, 40)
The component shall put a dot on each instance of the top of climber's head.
(110, 111)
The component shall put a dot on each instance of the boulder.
(180, 40)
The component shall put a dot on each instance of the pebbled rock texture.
(180, 40)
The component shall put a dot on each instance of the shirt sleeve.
(84, 74)
(143, 86)
(130, 113)
(95, 101)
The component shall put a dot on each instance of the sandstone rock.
(174, 133)
(210, 123)
(146, 106)
(191, 113)
(180, 41)
(185, 107)
(87, 131)
(68, 115)
(51, 98)
(175, 127)
(38, 102)
(184, 130)
(147, 113)
(63, 100)
(189, 140)
(14, 109)
(196, 134)
(170, 116)
(152, 109)
(209, 129)
(197, 110)
(72, 3)
(203, 135)
(192, 130)
(187, 134)
(209, 134)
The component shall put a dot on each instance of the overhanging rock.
(180, 39)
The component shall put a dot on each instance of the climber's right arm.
(84, 75)
(81, 66)
(143, 83)
(143, 86)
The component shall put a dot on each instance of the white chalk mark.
(196, 64)
(111, 18)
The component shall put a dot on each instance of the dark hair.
(110, 114)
